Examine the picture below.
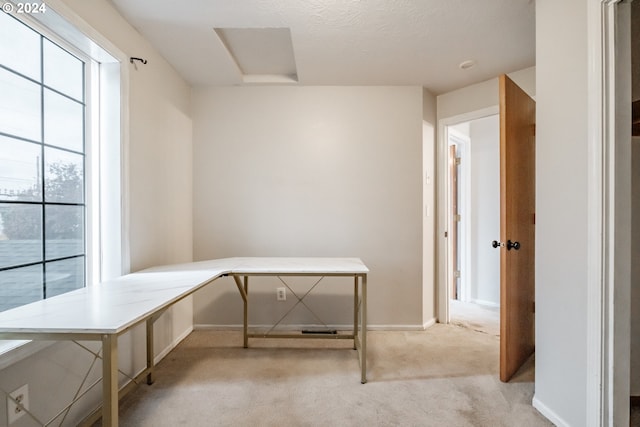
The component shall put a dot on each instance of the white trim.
(61, 24)
(13, 351)
(548, 413)
(595, 196)
(486, 303)
(124, 164)
(463, 151)
(171, 346)
(58, 12)
(442, 256)
(606, 398)
(429, 323)
(343, 327)
(85, 31)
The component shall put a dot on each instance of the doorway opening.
(473, 275)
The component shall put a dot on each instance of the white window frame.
(86, 152)
(106, 134)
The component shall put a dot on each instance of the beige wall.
(159, 160)
(429, 271)
(311, 171)
(561, 211)
(482, 95)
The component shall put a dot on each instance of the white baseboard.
(429, 323)
(396, 327)
(548, 413)
(347, 327)
(173, 345)
(486, 303)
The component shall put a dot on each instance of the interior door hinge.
(458, 160)
(457, 217)
(456, 274)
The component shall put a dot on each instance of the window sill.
(13, 351)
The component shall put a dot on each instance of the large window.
(42, 166)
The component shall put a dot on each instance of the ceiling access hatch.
(262, 55)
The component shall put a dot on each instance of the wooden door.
(517, 223)
(453, 221)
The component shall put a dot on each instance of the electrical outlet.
(281, 294)
(17, 403)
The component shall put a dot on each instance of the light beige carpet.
(478, 317)
(445, 376)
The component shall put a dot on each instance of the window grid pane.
(21, 237)
(62, 71)
(64, 176)
(20, 286)
(63, 121)
(64, 276)
(64, 231)
(42, 182)
(22, 53)
(20, 106)
(20, 169)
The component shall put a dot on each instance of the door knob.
(510, 245)
(513, 245)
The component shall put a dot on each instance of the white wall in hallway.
(561, 210)
(484, 158)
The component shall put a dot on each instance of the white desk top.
(299, 266)
(115, 305)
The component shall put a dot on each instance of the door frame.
(463, 143)
(442, 250)
(608, 283)
(607, 336)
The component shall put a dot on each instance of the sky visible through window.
(42, 167)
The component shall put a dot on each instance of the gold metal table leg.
(363, 335)
(110, 380)
(244, 292)
(246, 312)
(150, 355)
(355, 313)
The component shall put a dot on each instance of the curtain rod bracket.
(132, 59)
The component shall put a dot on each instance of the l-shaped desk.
(105, 311)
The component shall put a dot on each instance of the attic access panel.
(262, 55)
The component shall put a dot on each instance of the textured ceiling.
(348, 42)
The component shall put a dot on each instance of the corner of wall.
(548, 413)
(429, 138)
